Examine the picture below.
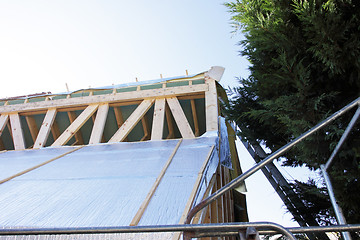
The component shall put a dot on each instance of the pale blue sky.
(46, 44)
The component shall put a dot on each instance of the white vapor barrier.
(13, 162)
(99, 185)
(169, 201)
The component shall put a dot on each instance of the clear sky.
(46, 44)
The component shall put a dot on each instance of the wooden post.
(34, 131)
(158, 120)
(99, 124)
(17, 133)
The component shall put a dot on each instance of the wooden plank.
(131, 122)
(17, 133)
(219, 201)
(75, 126)
(119, 118)
(34, 130)
(78, 136)
(145, 203)
(45, 128)
(99, 124)
(3, 122)
(158, 120)
(211, 106)
(109, 98)
(180, 118)
(191, 199)
(195, 118)
(37, 166)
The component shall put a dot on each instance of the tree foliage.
(305, 65)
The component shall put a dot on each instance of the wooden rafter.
(158, 120)
(55, 131)
(131, 122)
(99, 124)
(75, 126)
(180, 118)
(169, 122)
(45, 128)
(78, 136)
(145, 125)
(195, 118)
(17, 133)
(34, 130)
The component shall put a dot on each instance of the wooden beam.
(45, 128)
(119, 118)
(211, 106)
(191, 199)
(131, 122)
(78, 136)
(75, 126)
(158, 120)
(169, 123)
(195, 118)
(3, 122)
(109, 98)
(17, 133)
(34, 130)
(55, 131)
(145, 203)
(180, 118)
(145, 126)
(99, 124)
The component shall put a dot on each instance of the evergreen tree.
(305, 65)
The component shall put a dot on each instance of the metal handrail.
(235, 182)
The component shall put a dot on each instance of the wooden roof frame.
(99, 104)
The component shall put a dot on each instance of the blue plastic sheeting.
(13, 162)
(105, 184)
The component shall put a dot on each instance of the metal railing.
(235, 182)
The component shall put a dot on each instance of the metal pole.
(343, 138)
(221, 227)
(338, 211)
(270, 158)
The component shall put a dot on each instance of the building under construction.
(144, 160)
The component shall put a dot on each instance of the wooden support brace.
(99, 124)
(145, 126)
(55, 131)
(211, 106)
(146, 202)
(131, 122)
(34, 131)
(119, 118)
(78, 136)
(17, 133)
(180, 118)
(3, 122)
(158, 120)
(169, 123)
(76, 125)
(195, 118)
(45, 128)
